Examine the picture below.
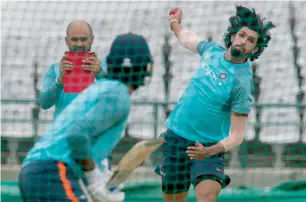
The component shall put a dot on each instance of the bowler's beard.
(80, 48)
(237, 51)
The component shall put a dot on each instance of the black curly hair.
(252, 20)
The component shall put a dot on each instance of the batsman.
(64, 164)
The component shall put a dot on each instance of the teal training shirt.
(218, 88)
(89, 127)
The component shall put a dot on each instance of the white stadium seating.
(34, 32)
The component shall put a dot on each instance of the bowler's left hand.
(198, 152)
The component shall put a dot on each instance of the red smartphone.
(77, 80)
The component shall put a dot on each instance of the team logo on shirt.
(210, 73)
(223, 76)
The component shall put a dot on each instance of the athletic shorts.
(178, 172)
(50, 181)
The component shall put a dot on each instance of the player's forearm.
(187, 38)
(48, 97)
(232, 141)
(51, 90)
(216, 149)
(237, 132)
(235, 137)
(175, 27)
(79, 139)
(227, 144)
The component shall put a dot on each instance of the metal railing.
(156, 105)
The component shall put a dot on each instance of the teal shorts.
(50, 181)
(178, 172)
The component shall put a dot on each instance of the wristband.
(92, 175)
(172, 21)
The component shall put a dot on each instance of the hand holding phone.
(77, 79)
(92, 64)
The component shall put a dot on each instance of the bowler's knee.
(207, 198)
(208, 191)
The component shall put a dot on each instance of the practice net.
(274, 150)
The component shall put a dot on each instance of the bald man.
(79, 39)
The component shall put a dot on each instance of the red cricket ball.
(173, 11)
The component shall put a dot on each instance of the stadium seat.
(141, 122)
(16, 130)
(284, 129)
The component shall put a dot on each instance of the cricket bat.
(130, 161)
